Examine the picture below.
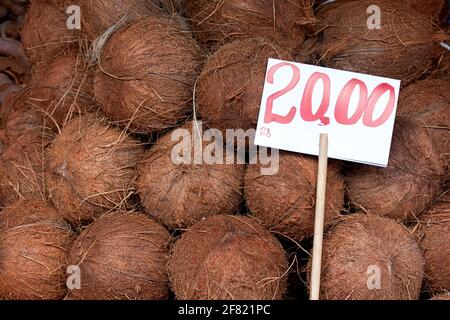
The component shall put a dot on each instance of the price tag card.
(302, 101)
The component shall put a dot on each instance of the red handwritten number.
(306, 106)
(270, 116)
(343, 103)
(374, 98)
(365, 109)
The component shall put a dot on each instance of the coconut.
(180, 195)
(433, 234)
(403, 48)
(149, 88)
(228, 257)
(284, 203)
(34, 244)
(229, 89)
(105, 13)
(409, 184)
(122, 256)
(22, 169)
(218, 22)
(45, 34)
(369, 257)
(64, 88)
(428, 102)
(91, 169)
(21, 117)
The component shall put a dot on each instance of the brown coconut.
(21, 117)
(44, 32)
(403, 48)
(64, 88)
(360, 246)
(103, 14)
(217, 22)
(285, 202)
(180, 195)
(428, 102)
(91, 169)
(228, 258)
(148, 88)
(22, 167)
(409, 184)
(34, 245)
(229, 89)
(433, 234)
(122, 256)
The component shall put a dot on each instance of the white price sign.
(301, 101)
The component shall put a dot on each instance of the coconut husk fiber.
(285, 203)
(403, 48)
(229, 89)
(22, 168)
(410, 183)
(44, 32)
(91, 169)
(362, 243)
(34, 244)
(102, 14)
(64, 88)
(228, 258)
(442, 296)
(122, 256)
(428, 102)
(217, 22)
(443, 67)
(433, 234)
(180, 195)
(148, 88)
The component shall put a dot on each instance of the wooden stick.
(320, 218)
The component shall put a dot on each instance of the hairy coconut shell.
(20, 117)
(228, 258)
(64, 88)
(25, 212)
(122, 256)
(229, 89)
(91, 169)
(218, 22)
(148, 88)
(285, 202)
(403, 48)
(434, 239)
(44, 32)
(34, 248)
(22, 168)
(428, 102)
(360, 246)
(103, 14)
(180, 195)
(409, 184)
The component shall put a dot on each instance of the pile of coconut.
(114, 185)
